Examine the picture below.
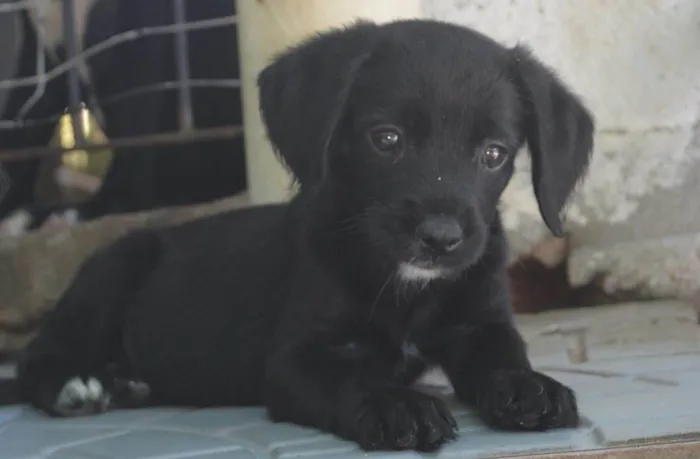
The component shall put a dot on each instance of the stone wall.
(636, 63)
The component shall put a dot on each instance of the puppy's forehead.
(447, 49)
(437, 64)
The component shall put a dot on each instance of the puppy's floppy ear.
(303, 94)
(559, 132)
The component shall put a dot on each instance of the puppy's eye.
(493, 156)
(387, 140)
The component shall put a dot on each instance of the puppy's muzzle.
(441, 235)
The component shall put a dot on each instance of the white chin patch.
(412, 273)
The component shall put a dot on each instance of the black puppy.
(389, 260)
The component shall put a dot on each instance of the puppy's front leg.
(489, 370)
(485, 358)
(352, 390)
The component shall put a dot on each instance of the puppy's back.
(198, 330)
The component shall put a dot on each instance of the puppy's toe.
(438, 426)
(564, 412)
(404, 420)
(130, 393)
(527, 400)
(81, 397)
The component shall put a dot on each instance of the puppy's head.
(410, 130)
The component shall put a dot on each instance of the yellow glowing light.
(79, 159)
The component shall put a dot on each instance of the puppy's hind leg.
(64, 370)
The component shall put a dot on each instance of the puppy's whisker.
(348, 229)
(382, 242)
(349, 220)
(349, 225)
(400, 288)
(381, 290)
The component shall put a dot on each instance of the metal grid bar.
(74, 96)
(182, 57)
(163, 86)
(168, 138)
(117, 39)
(70, 66)
(15, 6)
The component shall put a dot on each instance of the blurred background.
(116, 114)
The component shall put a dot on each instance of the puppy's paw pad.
(79, 397)
(527, 400)
(406, 420)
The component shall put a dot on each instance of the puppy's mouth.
(423, 271)
(426, 267)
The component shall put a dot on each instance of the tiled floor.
(627, 393)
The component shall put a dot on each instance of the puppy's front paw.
(526, 400)
(403, 420)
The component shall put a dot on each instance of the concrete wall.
(636, 63)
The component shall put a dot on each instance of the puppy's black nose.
(441, 234)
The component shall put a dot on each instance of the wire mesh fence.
(72, 68)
